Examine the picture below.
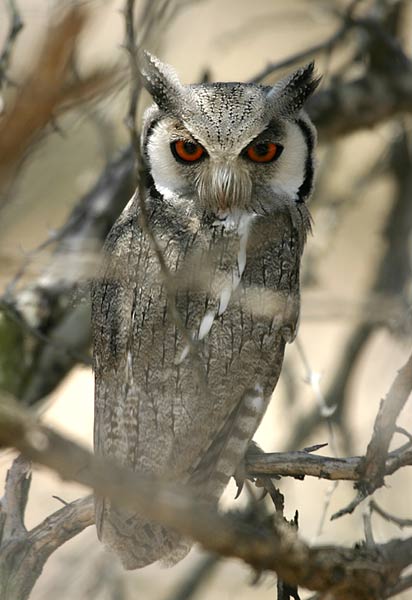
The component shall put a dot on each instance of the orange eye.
(187, 151)
(264, 152)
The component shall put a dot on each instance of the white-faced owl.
(197, 299)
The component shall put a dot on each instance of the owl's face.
(229, 145)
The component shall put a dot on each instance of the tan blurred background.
(233, 39)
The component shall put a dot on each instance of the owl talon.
(259, 484)
(240, 477)
(239, 485)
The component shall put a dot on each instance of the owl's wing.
(112, 298)
(115, 296)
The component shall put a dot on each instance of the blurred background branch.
(16, 25)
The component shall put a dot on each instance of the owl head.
(228, 146)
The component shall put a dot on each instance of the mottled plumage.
(182, 396)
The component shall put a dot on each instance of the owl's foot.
(241, 474)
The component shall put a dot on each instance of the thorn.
(360, 496)
(61, 500)
(315, 447)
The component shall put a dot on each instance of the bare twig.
(335, 395)
(348, 106)
(313, 379)
(324, 46)
(135, 87)
(372, 468)
(347, 22)
(367, 527)
(403, 431)
(374, 507)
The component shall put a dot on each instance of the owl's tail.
(136, 541)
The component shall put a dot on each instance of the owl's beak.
(224, 188)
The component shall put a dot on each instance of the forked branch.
(23, 553)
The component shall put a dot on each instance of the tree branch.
(372, 467)
(13, 505)
(374, 507)
(349, 106)
(46, 305)
(45, 90)
(363, 573)
(301, 464)
(23, 553)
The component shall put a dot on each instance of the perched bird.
(188, 348)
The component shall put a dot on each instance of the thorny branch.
(301, 464)
(339, 571)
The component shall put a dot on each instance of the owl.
(200, 290)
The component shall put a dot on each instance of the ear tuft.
(291, 93)
(162, 82)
